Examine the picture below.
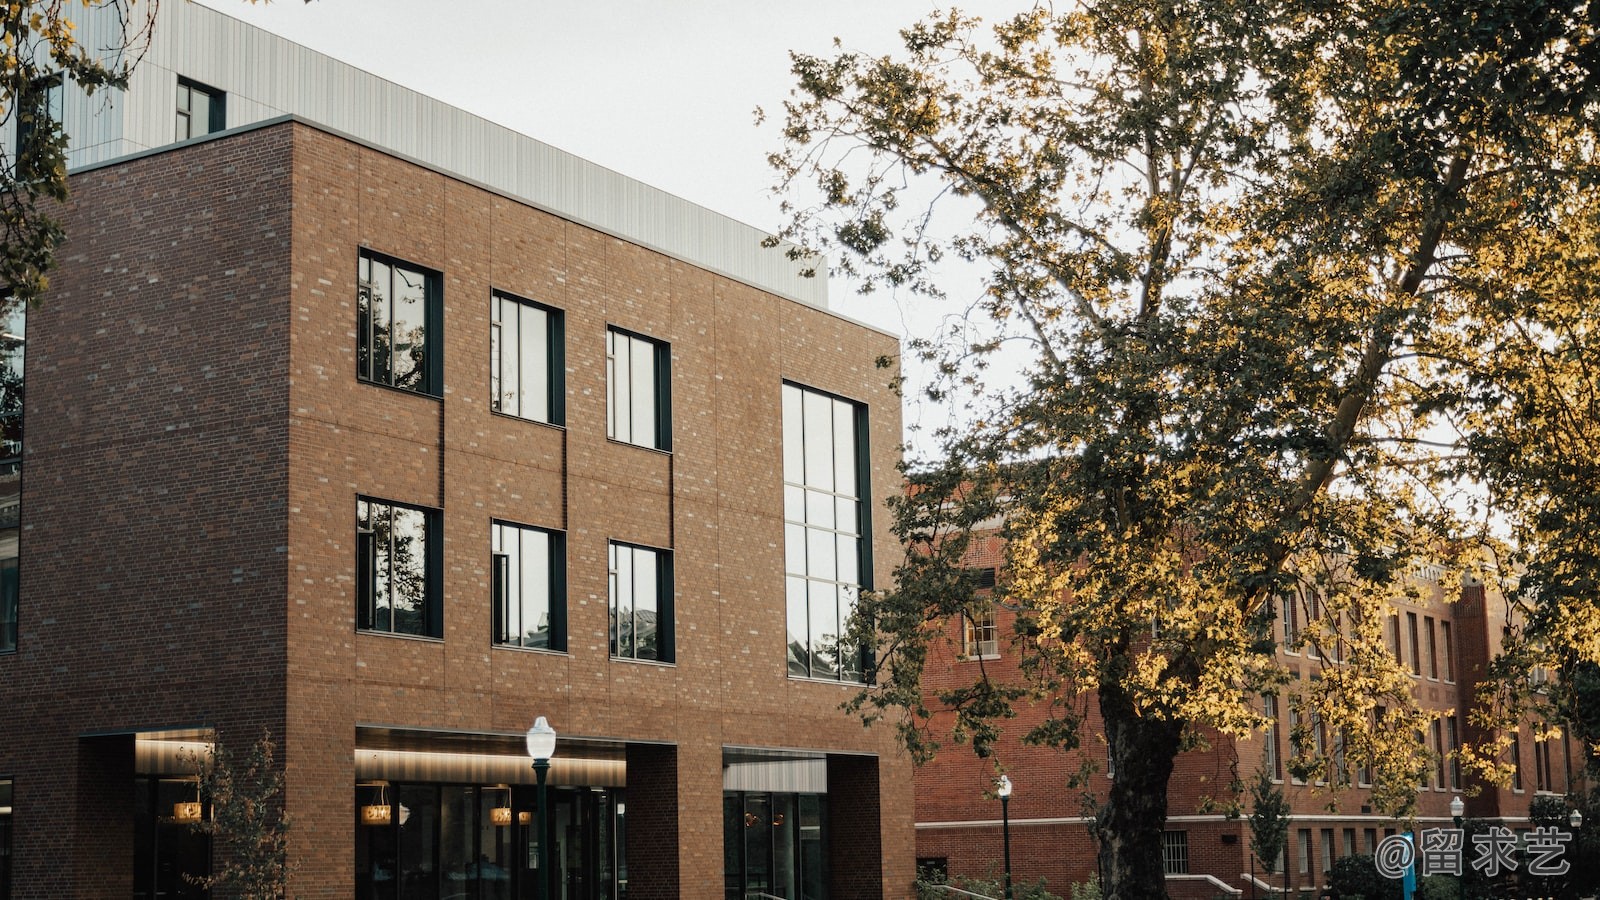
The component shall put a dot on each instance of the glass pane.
(513, 585)
(535, 581)
(757, 844)
(498, 400)
(533, 364)
(457, 822)
(733, 846)
(643, 392)
(645, 605)
(382, 568)
(785, 845)
(820, 547)
(799, 630)
(824, 608)
(848, 560)
(622, 602)
(410, 575)
(845, 515)
(818, 412)
(793, 437)
(410, 337)
(794, 503)
(844, 448)
(417, 816)
(381, 324)
(618, 379)
(819, 509)
(794, 547)
(812, 846)
(199, 113)
(849, 655)
(496, 850)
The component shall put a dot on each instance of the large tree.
(1289, 276)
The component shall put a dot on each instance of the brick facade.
(197, 439)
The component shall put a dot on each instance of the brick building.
(386, 435)
(1446, 645)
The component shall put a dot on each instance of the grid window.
(529, 574)
(1291, 630)
(201, 110)
(526, 361)
(826, 558)
(980, 636)
(640, 589)
(1175, 852)
(397, 569)
(13, 343)
(638, 394)
(398, 324)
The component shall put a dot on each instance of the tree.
(246, 819)
(1281, 277)
(1269, 822)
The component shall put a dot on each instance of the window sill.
(978, 658)
(398, 390)
(836, 681)
(620, 443)
(658, 663)
(424, 638)
(559, 426)
(542, 651)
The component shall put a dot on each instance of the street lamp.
(542, 746)
(1575, 818)
(1457, 810)
(1003, 788)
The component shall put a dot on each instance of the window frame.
(433, 326)
(52, 87)
(666, 644)
(433, 573)
(13, 359)
(554, 362)
(216, 111)
(500, 588)
(661, 388)
(1175, 852)
(796, 516)
(974, 625)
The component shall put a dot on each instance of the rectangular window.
(1175, 852)
(398, 569)
(1544, 779)
(1370, 838)
(1327, 850)
(1314, 625)
(1349, 842)
(39, 115)
(1411, 643)
(827, 559)
(1449, 653)
(1272, 759)
(980, 636)
(201, 110)
(1439, 747)
(526, 359)
(638, 390)
(1291, 630)
(529, 587)
(1454, 737)
(640, 589)
(1433, 648)
(1296, 745)
(13, 343)
(1516, 762)
(1305, 851)
(399, 310)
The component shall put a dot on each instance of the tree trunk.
(1130, 824)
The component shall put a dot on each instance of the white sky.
(660, 90)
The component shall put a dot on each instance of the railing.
(1213, 880)
(952, 889)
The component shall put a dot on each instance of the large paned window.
(827, 559)
(640, 587)
(399, 311)
(774, 844)
(638, 390)
(13, 343)
(530, 602)
(980, 638)
(526, 359)
(398, 569)
(39, 113)
(201, 110)
(169, 855)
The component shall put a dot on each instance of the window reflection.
(13, 346)
(529, 587)
(395, 564)
(397, 307)
(640, 589)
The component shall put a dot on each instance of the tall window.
(13, 343)
(39, 114)
(1305, 851)
(826, 556)
(201, 110)
(1327, 850)
(1454, 737)
(1411, 643)
(1516, 761)
(529, 592)
(1271, 756)
(638, 390)
(397, 569)
(980, 636)
(399, 308)
(1175, 852)
(1433, 648)
(1449, 652)
(526, 359)
(1291, 628)
(1439, 776)
(640, 587)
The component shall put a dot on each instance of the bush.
(992, 885)
(1358, 876)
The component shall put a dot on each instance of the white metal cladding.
(265, 76)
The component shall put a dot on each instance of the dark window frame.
(555, 361)
(367, 367)
(662, 373)
(433, 573)
(500, 591)
(216, 111)
(12, 432)
(52, 88)
(666, 640)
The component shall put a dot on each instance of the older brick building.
(1445, 644)
(387, 456)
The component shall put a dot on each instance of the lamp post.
(1575, 819)
(542, 746)
(1457, 810)
(1003, 788)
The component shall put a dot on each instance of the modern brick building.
(1446, 645)
(387, 452)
